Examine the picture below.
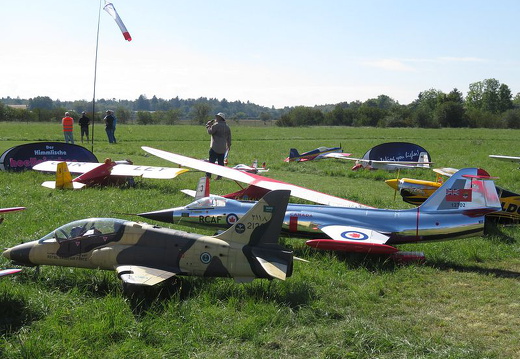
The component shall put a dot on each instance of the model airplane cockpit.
(85, 228)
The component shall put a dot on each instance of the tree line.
(488, 104)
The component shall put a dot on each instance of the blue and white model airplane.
(456, 210)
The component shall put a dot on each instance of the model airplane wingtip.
(5, 272)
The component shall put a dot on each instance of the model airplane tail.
(424, 160)
(258, 230)
(470, 190)
(293, 155)
(202, 188)
(63, 179)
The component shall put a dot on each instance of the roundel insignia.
(354, 235)
(231, 219)
(240, 228)
(205, 257)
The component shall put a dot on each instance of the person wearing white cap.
(220, 139)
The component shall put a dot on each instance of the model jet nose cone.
(19, 254)
(165, 215)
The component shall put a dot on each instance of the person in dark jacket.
(84, 122)
(110, 126)
(220, 139)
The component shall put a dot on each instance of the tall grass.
(462, 303)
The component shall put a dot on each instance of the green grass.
(462, 303)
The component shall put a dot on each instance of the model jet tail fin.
(202, 189)
(470, 191)
(258, 230)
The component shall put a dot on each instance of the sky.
(271, 52)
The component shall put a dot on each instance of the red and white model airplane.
(106, 173)
(254, 179)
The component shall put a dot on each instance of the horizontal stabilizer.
(189, 192)
(52, 185)
(274, 266)
(351, 246)
(142, 275)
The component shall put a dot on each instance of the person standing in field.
(67, 123)
(220, 139)
(110, 126)
(84, 122)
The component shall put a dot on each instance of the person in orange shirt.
(68, 127)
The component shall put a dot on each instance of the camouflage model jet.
(456, 210)
(144, 254)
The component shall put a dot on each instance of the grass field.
(463, 302)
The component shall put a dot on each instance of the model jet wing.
(11, 209)
(250, 178)
(506, 158)
(353, 239)
(140, 275)
(9, 271)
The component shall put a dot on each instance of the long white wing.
(74, 167)
(505, 158)
(146, 171)
(249, 178)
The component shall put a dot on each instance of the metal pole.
(95, 75)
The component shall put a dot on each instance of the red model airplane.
(106, 173)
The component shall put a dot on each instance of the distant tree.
(511, 118)
(122, 114)
(200, 112)
(450, 114)
(144, 118)
(516, 100)
(142, 104)
(154, 102)
(505, 96)
(265, 116)
(41, 102)
(450, 111)
(301, 116)
(489, 96)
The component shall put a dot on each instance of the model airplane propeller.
(456, 210)
(144, 254)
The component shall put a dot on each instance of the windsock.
(112, 11)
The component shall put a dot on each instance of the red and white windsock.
(112, 11)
